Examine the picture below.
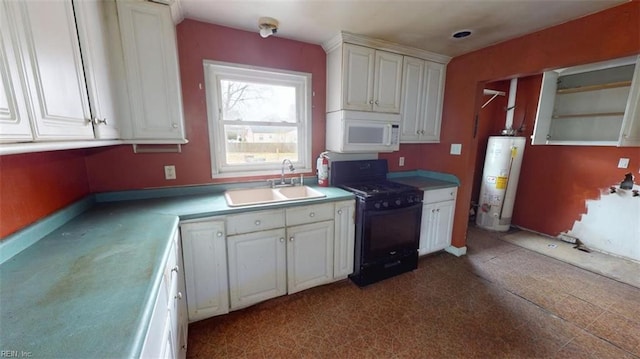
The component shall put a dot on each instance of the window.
(258, 117)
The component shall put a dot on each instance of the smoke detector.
(268, 26)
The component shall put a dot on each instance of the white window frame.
(214, 71)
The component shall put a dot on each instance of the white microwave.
(362, 132)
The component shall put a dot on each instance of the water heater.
(499, 182)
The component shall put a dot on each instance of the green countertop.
(87, 289)
(425, 180)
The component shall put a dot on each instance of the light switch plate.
(623, 163)
(456, 148)
(170, 172)
(401, 162)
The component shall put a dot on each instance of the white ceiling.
(423, 24)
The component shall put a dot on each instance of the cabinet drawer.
(309, 214)
(255, 221)
(440, 195)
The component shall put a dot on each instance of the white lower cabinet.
(204, 249)
(309, 256)
(169, 316)
(344, 239)
(257, 267)
(266, 253)
(437, 220)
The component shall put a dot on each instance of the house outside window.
(258, 117)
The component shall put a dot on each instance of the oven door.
(391, 232)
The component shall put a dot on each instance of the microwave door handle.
(389, 131)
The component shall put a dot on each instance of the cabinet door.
(412, 97)
(99, 36)
(427, 228)
(357, 77)
(387, 82)
(151, 59)
(630, 131)
(257, 267)
(14, 118)
(205, 266)
(182, 324)
(344, 240)
(432, 102)
(443, 225)
(309, 255)
(53, 70)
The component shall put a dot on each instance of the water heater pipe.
(511, 104)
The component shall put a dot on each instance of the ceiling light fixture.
(461, 34)
(268, 26)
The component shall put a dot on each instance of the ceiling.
(423, 24)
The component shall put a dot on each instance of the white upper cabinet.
(590, 105)
(50, 54)
(363, 79)
(387, 82)
(151, 59)
(99, 36)
(14, 118)
(422, 95)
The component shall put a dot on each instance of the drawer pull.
(281, 240)
(178, 296)
(339, 211)
(291, 239)
(219, 234)
(312, 214)
(258, 222)
(175, 269)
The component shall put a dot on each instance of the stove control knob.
(376, 205)
(398, 202)
(385, 204)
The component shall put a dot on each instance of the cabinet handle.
(290, 239)
(258, 222)
(175, 269)
(339, 211)
(370, 102)
(219, 234)
(417, 132)
(377, 102)
(179, 295)
(438, 210)
(281, 240)
(174, 125)
(433, 211)
(183, 347)
(98, 121)
(312, 214)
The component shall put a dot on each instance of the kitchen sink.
(299, 192)
(253, 196)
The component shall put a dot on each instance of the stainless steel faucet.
(291, 168)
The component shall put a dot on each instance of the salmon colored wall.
(556, 181)
(117, 168)
(608, 34)
(35, 185)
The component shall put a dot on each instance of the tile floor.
(499, 301)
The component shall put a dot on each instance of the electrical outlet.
(623, 163)
(401, 162)
(170, 172)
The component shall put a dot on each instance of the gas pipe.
(322, 166)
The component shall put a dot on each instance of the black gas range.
(388, 216)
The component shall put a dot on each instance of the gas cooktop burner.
(376, 188)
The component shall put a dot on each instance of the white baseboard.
(456, 251)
